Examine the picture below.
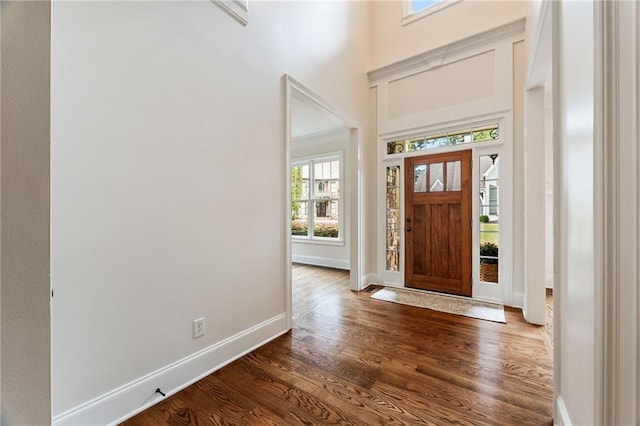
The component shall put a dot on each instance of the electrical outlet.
(198, 327)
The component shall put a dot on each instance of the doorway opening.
(322, 187)
(464, 180)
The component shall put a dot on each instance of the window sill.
(319, 241)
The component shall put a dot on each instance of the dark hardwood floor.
(355, 360)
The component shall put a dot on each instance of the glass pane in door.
(436, 177)
(420, 178)
(453, 176)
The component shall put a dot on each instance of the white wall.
(391, 41)
(167, 184)
(24, 214)
(578, 378)
(533, 9)
(320, 253)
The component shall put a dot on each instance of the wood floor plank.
(355, 360)
(261, 416)
(370, 408)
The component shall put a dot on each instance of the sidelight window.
(393, 218)
(489, 217)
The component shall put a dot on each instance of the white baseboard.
(321, 261)
(135, 397)
(395, 285)
(370, 278)
(494, 300)
(517, 300)
(562, 413)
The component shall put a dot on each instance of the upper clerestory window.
(416, 9)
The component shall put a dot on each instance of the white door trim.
(616, 382)
(534, 309)
(539, 67)
(499, 292)
(620, 212)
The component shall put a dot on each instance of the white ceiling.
(308, 118)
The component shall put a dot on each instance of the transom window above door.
(439, 140)
(315, 198)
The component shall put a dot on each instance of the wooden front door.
(438, 222)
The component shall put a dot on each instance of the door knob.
(408, 229)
